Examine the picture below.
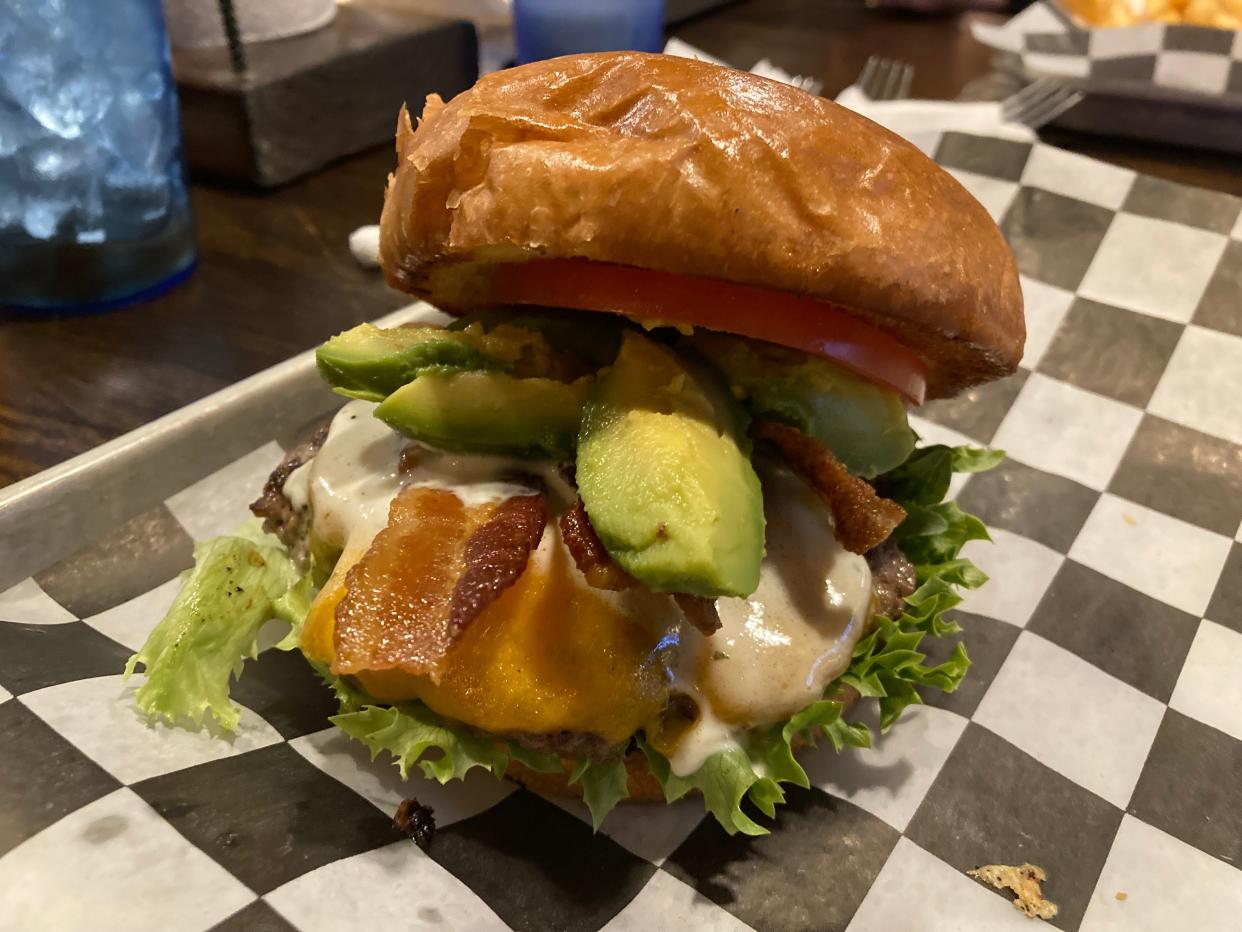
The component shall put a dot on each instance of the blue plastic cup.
(548, 28)
(93, 204)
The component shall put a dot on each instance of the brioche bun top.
(683, 166)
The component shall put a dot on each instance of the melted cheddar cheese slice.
(551, 654)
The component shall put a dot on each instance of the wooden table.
(276, 278)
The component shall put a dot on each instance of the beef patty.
(280, 517)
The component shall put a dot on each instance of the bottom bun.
(643, 786)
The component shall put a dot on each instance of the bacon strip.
(699, 611)
(427, 575)
(589, 553)
(411, 455)
(862, 518)
(496, 555)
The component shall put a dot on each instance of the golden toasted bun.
(674, 164)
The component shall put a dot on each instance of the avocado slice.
(589, 336)
(371, 363)
(863, 424)
(489, 412)
(664, 471)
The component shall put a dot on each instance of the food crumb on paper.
(1023, 881)
(1129, 519)
(1121, 896)
(415, 821)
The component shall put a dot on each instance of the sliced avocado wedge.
(489, 412)
(591, 337)
(664, 471)
(370, 362)
(863, 424)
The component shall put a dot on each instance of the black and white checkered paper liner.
(1099, 733)
(1182, 58)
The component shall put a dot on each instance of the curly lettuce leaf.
(887, 663)
(931, 536)
(293, 607)
(923, 479)
(538, 761)
(935, 531)
(974, 459)
(446, 750)
(604, 784)
(410, 730)
(724, 780)
(238, 583)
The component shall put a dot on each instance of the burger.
(647, 516)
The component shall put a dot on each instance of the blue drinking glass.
(547, 28)
(93, 203)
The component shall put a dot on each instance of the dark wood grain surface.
(276, 277)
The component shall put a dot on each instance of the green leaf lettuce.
(239, 582)
(604, 784)
(409, 731)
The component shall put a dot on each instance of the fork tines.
(885, 78)
(1039, 103)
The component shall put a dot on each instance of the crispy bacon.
(862, 518)
(496, 554)
(584, 546)
(699, 611)
(427, 575)
(411, 455)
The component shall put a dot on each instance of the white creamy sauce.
(297, 485)
(780, 647)
(706, 737)
(351, 482)
(777, 649)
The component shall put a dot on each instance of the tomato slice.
(816, 327)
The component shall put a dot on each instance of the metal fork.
(1039, 103)
(885, 78)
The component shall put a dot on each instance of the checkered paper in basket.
(1048, 42)
(1098, 735)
